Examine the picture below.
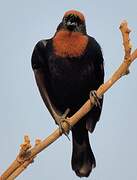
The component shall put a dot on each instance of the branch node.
(25, 152)
(37, 142)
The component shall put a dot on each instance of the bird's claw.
(61, 129)
(93, 94)
(61, 120)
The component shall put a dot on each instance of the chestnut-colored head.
(73, 21)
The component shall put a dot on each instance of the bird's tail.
(83, 160)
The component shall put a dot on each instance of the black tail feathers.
(83, 160)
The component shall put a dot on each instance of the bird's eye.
(65, 20)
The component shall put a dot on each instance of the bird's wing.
(38, 62)
(98, 63)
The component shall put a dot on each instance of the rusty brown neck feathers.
(69, 44)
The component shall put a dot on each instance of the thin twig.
(22, 162)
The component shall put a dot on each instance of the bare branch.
(27, 155)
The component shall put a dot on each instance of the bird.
(68, 69)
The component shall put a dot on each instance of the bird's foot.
(93, 94)
(60, 120)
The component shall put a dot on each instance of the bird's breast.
(69, 44)
(70, 80)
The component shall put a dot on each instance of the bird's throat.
(69, 44)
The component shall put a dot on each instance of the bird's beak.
(71, 25)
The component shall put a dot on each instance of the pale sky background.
(114, 142)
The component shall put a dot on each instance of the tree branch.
(27, 154)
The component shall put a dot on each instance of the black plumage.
(67, 81)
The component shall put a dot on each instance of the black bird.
(67, 68)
